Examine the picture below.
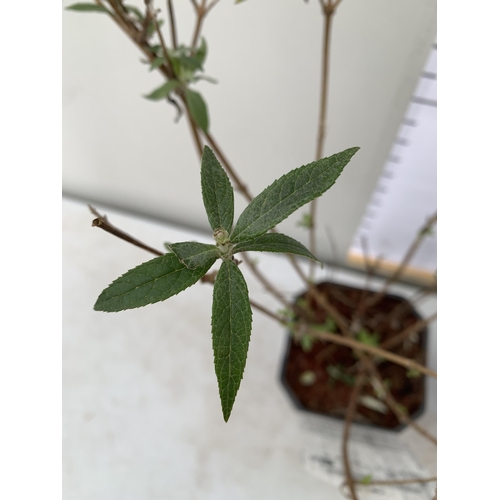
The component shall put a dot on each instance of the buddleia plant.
(186, 262)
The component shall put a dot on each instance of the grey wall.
(122, 150)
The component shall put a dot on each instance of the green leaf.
(87, 7)
(337, 372)
(218, 195)
(198, 109)
(306, 342)
(191, 59)
(176, 64)
(366, 479)
(274, 242)
(413, 373)
(209, 79)
(329, 325)
(157, 63)
(201, 54)
(368, 338)
(163, 91)
(151, 282)
(193, 254)
(305, 222)
(151, 28)
(289, 193)
(231, 327)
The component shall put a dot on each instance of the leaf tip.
(99, 307)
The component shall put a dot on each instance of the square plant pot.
(318, 376)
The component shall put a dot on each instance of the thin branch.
(266, 311)
(211, 5)
(162, 40)
(393, 405)
(340, 320)
(415, 328)
(328, 13)
(268, 286)
(370, 272)
(376, 351)
(398, 482)
(404, 263)
(328, 16)
(200, 14)
(173, 28)
(403, 306)
(351, 409)
(136, 36)
(102, 222)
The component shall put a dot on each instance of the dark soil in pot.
(319, 376)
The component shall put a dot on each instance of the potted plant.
(358, 344)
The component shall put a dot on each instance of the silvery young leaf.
(218, 195)
(288, 193)
(231, 327)
(274, 242)
(198, 109)
(151, 282)
(87, 7)
(193, 254)
(163, 91)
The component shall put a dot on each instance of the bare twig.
(328, 16)
(370, 271)
(321, 299)
(398, 482)
(404, 263)
(393, 405)
(201, 12)
(267, 284)
(415, 328)
(266, 311)
(404, 306)
(351, 409)
(173, 28)
(102, 222)
(376, 351)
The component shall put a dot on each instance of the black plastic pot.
(294, 353)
